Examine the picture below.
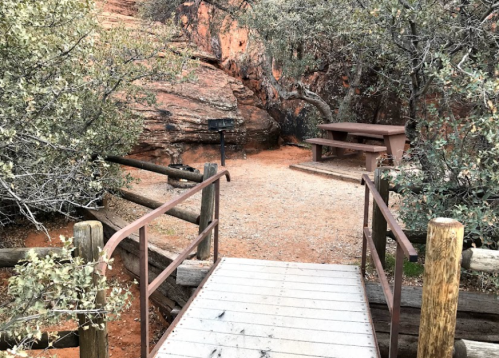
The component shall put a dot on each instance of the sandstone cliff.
(176, 127)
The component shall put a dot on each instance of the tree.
(66, 90)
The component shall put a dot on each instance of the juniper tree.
(66, 85)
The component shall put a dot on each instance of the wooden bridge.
(266, 309)
(269, 309)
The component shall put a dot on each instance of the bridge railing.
(146, 288)
(404, 249)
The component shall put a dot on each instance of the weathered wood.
(379, 224)
(440, 288)
(473, 302)
(88, 238)
(415, 237)
(471, 349)
(407, 346)
(11, 256)
(172, 173)
(207, 205)
(154, 204)
(169, 288)
(192, 272)
(481, 260)
(67, 339)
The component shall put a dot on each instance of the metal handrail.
(404, 248)
(146, 288)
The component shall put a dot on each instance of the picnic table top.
(380, 129)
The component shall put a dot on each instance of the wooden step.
(347, 145)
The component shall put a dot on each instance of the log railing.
(404, 249)
(146, 288)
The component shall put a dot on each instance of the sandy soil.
(268, 211)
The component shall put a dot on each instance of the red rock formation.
(178, 122)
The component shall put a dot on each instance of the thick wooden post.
(440, 288)
(207, 200)
(379, 225)
(88, 237)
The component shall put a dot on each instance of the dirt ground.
(268, 211)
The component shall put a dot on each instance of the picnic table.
(393, 137)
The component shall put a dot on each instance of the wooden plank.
(380, 129)
(11, 256)
(347, 145)
(192, 272)
(299, 335)
(411, 297)
(329, 315)
(298, 265)
(290, 271)
(201, 350)
(344, 305)
(274, 345)
(354, 279)
(290, 285)
(278, 321)
(289, 293)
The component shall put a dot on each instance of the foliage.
(410, 269)
(46, 291)
(67, 86)
(439, 57)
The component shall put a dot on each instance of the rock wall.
(176, 126)
(178, 122)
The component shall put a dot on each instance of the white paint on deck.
(268, 309)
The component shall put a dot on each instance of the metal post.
(222, 148)
(217, 215)
(397, 298)
(144, 296)
(364, 239)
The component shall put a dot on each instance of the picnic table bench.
(336, 135)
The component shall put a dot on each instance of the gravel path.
(268, 211)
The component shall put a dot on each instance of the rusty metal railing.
(146, 288)
(404, 249)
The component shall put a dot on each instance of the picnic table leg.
(316, 152)
(338, 136)
(395, 146)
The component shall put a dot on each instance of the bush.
(66, 86)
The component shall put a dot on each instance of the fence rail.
(146, 288)
(404, 249)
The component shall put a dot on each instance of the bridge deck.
(269, 309)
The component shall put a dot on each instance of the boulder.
(179, 119)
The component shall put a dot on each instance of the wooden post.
(88, 237)
(207, 201)
(379, 225)
(440, 288)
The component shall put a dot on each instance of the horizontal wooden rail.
(179, 213)
(172, 173)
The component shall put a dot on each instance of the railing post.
(397, 298)
(144, 296)
(364, 238)
(217, 217)
(203, 252)
(379, 225)
(88, 238)
(440, 288)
